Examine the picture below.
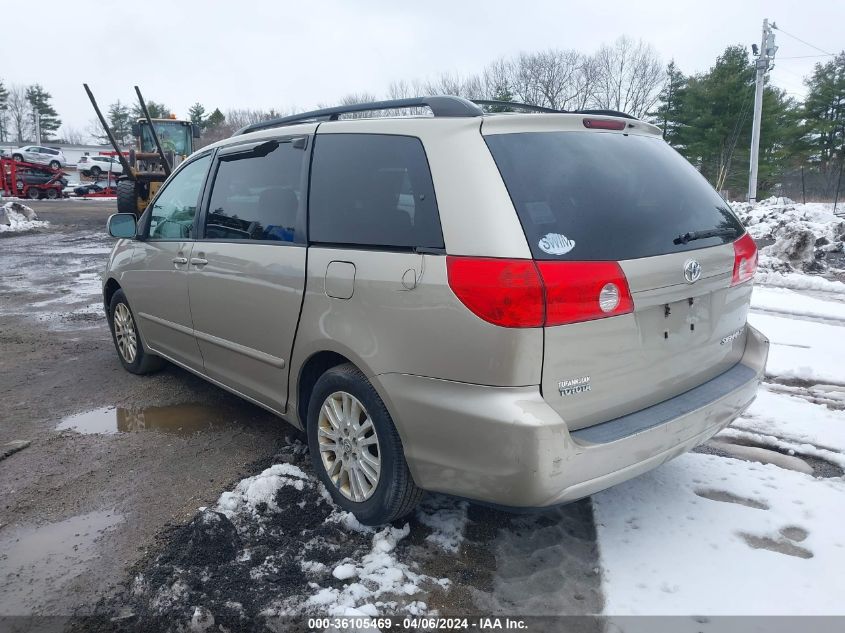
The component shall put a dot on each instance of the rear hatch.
(645, 267)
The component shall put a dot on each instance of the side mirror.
(122, 225)
(195, 130)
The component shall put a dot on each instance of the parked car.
(97, 165)
(518, 309)
(36, 178)
(84, 190)
(37, 154)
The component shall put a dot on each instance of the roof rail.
(624, 115)
(513, 104)
(441, 106)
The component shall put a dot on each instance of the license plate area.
(677, 324)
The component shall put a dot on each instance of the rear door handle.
(198, 261)
(180, 260)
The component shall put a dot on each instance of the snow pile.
(276, 546)
(19, 218)
(802, 236)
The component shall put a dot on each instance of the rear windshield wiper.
(691, 236)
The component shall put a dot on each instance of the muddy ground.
(108, 489)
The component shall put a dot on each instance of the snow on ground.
(710, 534)
(14, 219)
(802, 350)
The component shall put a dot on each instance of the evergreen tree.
(120, 121)
(4, 109)
(196, 113)
(39, 100)
(215, 119)
(156, 110)
(666, 116)
(502, 93)
(824, 113)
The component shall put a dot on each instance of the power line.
(807, 56)
(802, 41)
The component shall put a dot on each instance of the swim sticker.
(556, 244)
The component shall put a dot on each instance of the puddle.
(38, 561)
(781, 547)
(181, 419)
(728, 497)
(750, 450)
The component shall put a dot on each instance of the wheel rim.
(124, 333)
(349, 446)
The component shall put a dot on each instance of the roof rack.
(624, 115)
(441, 106)
(513, 104)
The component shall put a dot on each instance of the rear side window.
(257, 196)
(372, 190)
(594, 196)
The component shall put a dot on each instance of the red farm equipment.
(30, 180)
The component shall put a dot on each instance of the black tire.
(143, 362)
(33, 193)
(54, 164)
(395, 494)
(17, 157)
(96, 171)
(52, 193)
(127, 197)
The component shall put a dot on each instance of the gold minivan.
(520, 309)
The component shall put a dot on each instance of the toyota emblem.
(692, 271)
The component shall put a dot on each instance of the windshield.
(174, 136)
(595, 196)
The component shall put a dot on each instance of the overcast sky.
(265, 53)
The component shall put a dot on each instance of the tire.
(393, 493)
(54, 164)
(122, 325)
(52, 193)
(17, 157)
(127, 197)
(33, 193)
(96, 171)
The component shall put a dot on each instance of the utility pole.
(37, 116)
(765, 55)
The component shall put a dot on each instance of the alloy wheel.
(124, 333)
(349, 446)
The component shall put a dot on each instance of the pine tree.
(215, 119)
(824, 113)
(713, 119)
(196, 113)
(4, 108)
(502, 93)
(667, 114)
(120, 121)
(39, 100)
(156, 110)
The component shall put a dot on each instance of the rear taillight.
(745, 260)
(505, 292)
(604, 124)
(524, 293)
(583, 291)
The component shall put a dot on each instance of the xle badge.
(572, 386)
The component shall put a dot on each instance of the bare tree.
(628, 77)
(19, 110)
(72, 135)
(547, 78)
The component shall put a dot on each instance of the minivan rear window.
(597, 196)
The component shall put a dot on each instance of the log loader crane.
(160, 145)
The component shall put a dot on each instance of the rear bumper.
(506, 446)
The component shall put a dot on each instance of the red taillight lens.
(745, 260)
(582, 291)
(524, 293)
(604, 124)
(505, 292)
